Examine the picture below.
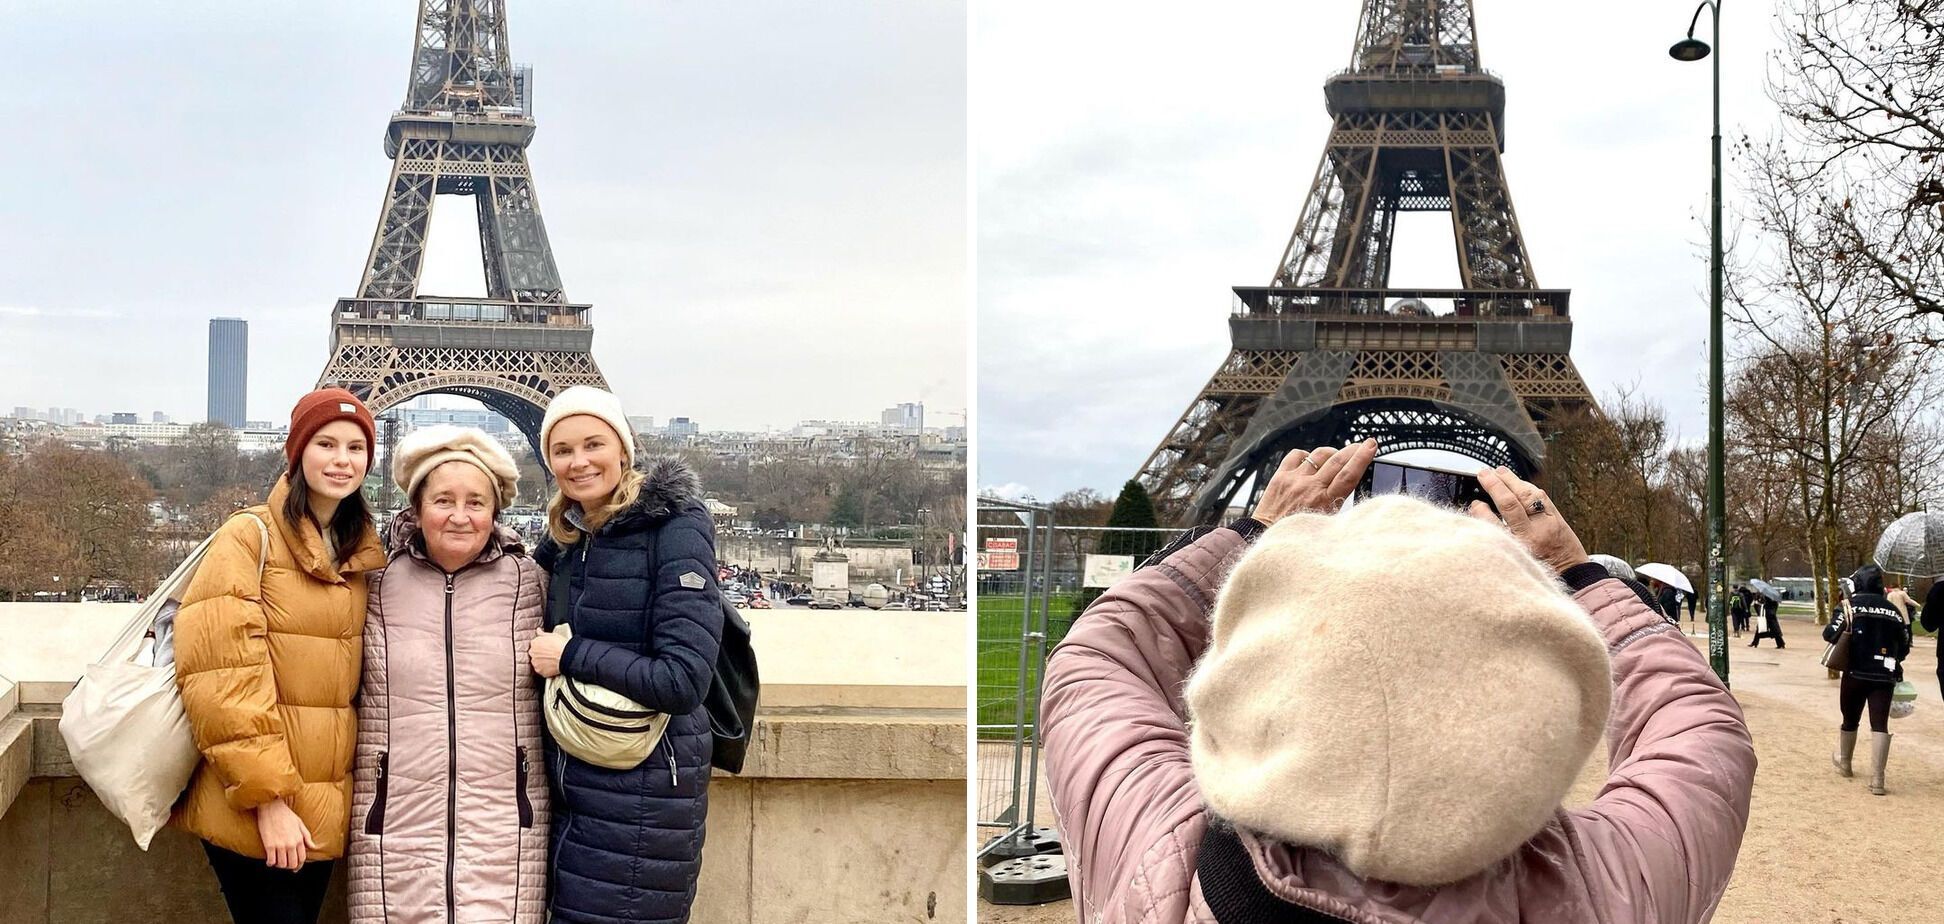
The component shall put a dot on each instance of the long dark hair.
(347, 525)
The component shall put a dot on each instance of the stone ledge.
(16, 757)
(792, 744)
(858, 744)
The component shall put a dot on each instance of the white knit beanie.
(425, 449)
(586, 399)
(1400, 685)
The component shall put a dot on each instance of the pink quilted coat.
(449, 801)
(1658, 845)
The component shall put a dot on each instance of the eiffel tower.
(1329, 352)
(464, 131)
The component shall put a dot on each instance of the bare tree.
(1860, 84)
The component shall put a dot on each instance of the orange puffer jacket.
(268, 669)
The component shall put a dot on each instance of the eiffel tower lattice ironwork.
(464, 130)
(1329, 351)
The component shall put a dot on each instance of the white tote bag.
(123, 722)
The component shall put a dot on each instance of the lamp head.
(1689, 49)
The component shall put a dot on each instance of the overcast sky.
(764, 200)
(1134, 166)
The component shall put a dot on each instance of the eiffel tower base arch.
(1398, 424)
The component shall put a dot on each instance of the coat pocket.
(520, 789)
(375, 819)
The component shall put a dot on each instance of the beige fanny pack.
(597, 725)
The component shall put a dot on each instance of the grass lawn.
(1000, 616)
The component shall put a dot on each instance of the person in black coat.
(1879, 643)
(632, 558)
(1931, 616)
(1670, 602)
(1769, 619)
(1738, 609)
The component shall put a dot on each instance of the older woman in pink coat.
(1372, 717)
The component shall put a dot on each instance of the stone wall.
(851, 806)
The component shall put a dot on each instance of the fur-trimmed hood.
(671, 486)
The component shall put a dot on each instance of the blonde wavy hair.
(624, 496)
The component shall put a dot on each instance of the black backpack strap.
(1234, 894)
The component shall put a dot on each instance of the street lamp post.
(1693, 49)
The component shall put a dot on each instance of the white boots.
(1845, 747)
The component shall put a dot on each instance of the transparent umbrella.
(1614, 566)
(1913, 545)
(1764, 588)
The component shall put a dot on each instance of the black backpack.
(731, 701)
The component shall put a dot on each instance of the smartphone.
(1444, 486)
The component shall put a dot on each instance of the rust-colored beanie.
(315, 410)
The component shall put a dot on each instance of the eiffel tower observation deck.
(1329, 351)
(463, 131)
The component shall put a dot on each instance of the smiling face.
(455, 513)
(335, 460)
(585, 456)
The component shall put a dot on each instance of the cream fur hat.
(586, 399)
(1400, 685)
(425, 449)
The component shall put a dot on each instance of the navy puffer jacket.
(627, 844)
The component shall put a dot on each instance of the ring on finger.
(1536, 507)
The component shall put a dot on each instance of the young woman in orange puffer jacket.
(268, 665)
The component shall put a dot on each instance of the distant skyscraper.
(909, 418)
(229, 371)
(682, 428)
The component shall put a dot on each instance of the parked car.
(799, 600)
(935, 606)
(894, 605)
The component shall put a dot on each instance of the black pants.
(1774, 632)
(1876, 692)
(257, 894)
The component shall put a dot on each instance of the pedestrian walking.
(1669, 600)
(450, 804)
(1931, 617)
(1244, 731)
(1738, 609)
(268, 661)
(632, 555)
(1769, 625)
(1879, 642)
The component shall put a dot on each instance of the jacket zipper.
(375, 819)
(673, 780)
(452, 756)
(526, 805)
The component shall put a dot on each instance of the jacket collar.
(669, 486)
(307, 545)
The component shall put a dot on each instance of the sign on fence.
(1106, 570)
(1000, 555)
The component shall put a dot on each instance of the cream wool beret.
(586, 399)
(1399, 685)
(427, 448)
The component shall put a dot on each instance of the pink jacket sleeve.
(1659, 843)
(1116, 737)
